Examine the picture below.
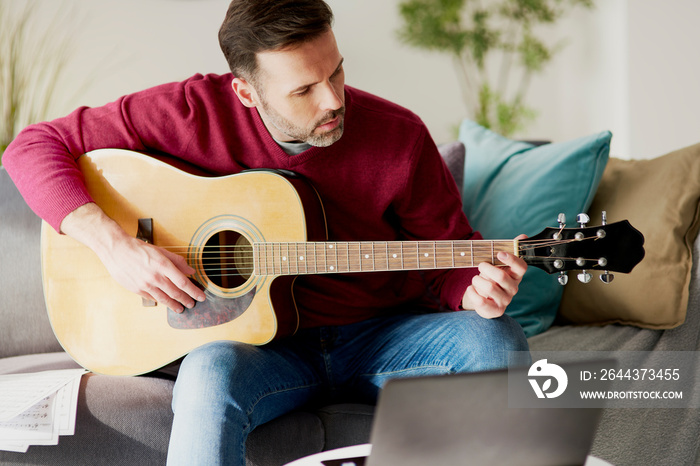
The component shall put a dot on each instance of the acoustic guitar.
(247, 258)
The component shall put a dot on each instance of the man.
(286, 105)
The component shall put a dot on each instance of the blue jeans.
(225, 389)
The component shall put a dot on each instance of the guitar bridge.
(144, 232)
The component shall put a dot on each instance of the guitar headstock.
(615, 247)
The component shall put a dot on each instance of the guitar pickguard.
(215, 310)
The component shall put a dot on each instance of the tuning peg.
(561, 220)
(606, 277)
(563, 278)
(584, 277)
(605, 218)
(583, 219)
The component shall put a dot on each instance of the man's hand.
(493, 289)
(147, 270)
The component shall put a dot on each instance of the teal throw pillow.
(513, 187)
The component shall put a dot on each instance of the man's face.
(300, 92)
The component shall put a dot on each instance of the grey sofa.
(127, 420)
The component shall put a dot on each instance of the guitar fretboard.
(300, 258)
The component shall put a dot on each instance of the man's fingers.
(160, 275)
(163, 298)
(492, 291)
(484, 307)
(500, 279)
(179, 279)
(179, 262)
(516, 266)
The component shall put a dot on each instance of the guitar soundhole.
(227, 259)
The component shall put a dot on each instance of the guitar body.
(110, 330)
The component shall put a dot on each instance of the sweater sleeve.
(42, 160)
(431, 209)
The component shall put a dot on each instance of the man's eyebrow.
(304, 86)
(340, 65)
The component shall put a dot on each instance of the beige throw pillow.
(660, 198)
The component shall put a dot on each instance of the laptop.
(465, 419)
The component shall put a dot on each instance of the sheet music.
(35, 409)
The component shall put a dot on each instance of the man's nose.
(332, 99)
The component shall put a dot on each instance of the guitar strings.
(524, 245)
(246, 264)
(356, 247)
(354, 268)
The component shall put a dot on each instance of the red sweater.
(384, 180)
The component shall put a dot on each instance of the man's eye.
(302, 92)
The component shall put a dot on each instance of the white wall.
(664, 83)
(630, 66)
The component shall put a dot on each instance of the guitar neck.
(305, 258)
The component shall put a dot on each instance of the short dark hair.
(253, 26)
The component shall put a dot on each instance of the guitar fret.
(280, 258)
(359, 255)
(306, 257)
(319, 255)
(347, 262)
(256, 259)
(334, 247)
(409, 257)
(280, 254)
(394, 253)
(268, 258)
(321, 252)
(297, 254)
(303, 258)
(442, 255)
(311, 259)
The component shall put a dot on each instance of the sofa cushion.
(346, 424)
(24, 324)
(285, 439)
(513, 187)
(453, 154)
(660, 197)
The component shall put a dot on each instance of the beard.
(308, 135)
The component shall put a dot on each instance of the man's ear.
(245, 92)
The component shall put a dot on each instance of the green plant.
(494, 46)
(32, 58)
